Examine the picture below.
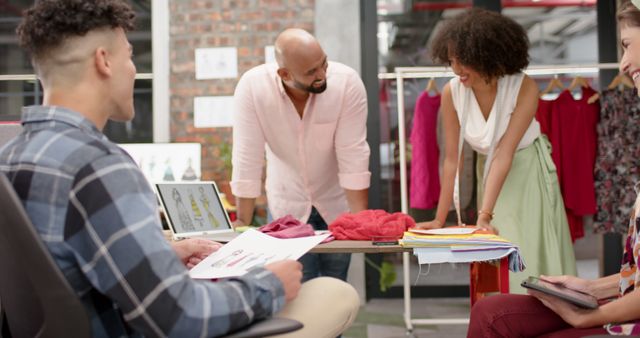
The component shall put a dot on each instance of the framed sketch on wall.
(167, 162)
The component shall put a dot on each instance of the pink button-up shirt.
(310, 160)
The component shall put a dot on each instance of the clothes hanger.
(621, 80)
(593, 98)
(582, 82)
(553, 84)
(432, 86)
(578, 81)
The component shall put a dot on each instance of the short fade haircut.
(48, 23)
(488, 42)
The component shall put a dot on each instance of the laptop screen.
(193, 208)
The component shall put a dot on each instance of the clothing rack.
(402, 73)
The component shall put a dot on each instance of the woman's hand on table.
(435, 224)
(486, 225)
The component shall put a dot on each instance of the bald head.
(302, 64)
(295, 43)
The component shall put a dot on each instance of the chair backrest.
(36, 297)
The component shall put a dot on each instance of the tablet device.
(577, 298)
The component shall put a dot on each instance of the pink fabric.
(309, 160)
(370, 225)
(287, 227)
(425, 153)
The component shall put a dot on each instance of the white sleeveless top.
(480, 132)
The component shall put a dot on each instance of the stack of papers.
(461, 245)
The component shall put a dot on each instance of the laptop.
(194, 209)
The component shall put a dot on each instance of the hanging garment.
(425, 153)
(579, 137)
(618, 159)
(571, 127)
(543, 115)
(529, 210)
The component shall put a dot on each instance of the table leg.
(487, 277)
(504, 275)
(407, 292)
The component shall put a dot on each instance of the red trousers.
(509, 315)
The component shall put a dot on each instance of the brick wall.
(249, 25)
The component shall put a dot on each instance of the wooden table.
(358, 247)
(478, 271)
(483, 277)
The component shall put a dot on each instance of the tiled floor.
(382, 318)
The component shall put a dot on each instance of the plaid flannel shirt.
(98, 217)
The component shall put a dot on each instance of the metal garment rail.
(399, 75)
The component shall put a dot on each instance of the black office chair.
(36, 298)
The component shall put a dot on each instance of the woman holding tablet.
(542, 314)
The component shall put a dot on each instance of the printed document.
(250, 250)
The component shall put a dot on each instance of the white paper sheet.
(250, 250)
(216, 63)
(446, 231)
(213, 111)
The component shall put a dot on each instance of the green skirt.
(530, 213)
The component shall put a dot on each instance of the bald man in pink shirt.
(309, 115)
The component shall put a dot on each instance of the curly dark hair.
(49, 22)
(488, 42)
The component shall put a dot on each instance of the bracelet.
(439, 223)
(488, 213)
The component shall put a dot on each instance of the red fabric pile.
(368, 225)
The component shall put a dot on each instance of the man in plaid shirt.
(96, 213)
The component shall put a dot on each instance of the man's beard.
(311, 88)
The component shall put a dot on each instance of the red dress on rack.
(571, 127)
(425, 176)
(543, 115)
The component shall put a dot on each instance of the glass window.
(140, 129)
(13, 60)
(16, 92)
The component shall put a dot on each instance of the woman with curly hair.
(542, 315)
(491, 104)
